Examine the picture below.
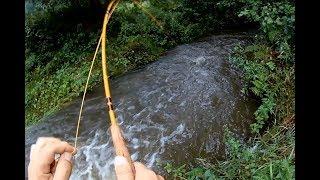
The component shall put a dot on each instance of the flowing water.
(173, 110)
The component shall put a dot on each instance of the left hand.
(43, 165)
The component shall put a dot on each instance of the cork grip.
(120, 145)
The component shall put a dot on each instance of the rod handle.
(120, 145)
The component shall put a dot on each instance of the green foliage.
(269, 78)
(176, 172)
(58, 54)
(44, 94)
(268, 64)
(277, 22)
(181, 172)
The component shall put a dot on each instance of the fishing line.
(88, 78)
(84, 93)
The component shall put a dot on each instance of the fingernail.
(67, 156)
(120, 160)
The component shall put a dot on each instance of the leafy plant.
(264, 75)
(176, 172)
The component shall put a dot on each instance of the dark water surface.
(173, 110)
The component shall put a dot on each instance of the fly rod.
(116, 133)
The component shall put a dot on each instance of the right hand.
(123, 171)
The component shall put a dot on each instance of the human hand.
(123, 170)
(43, 165)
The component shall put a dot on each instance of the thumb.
(64, 167)
(123, 168)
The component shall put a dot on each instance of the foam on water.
(97, 159)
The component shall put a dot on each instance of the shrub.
(268, 78)
(268, 64)
(277, 22)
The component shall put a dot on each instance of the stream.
(173, 110)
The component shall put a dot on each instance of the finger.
(44, 140)
(47, 153)
(60, 148)
(139, 166)
(160, 177)
(64, 167)
(142, 172)
(34, 173)
(53, 165)
(123, 168)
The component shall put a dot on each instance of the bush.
(268, 64)
(277, 22)
(268, 78)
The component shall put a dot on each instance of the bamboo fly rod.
(116, 133)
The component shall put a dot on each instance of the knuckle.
(46, 150)
(66, 146)
(40, 140)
